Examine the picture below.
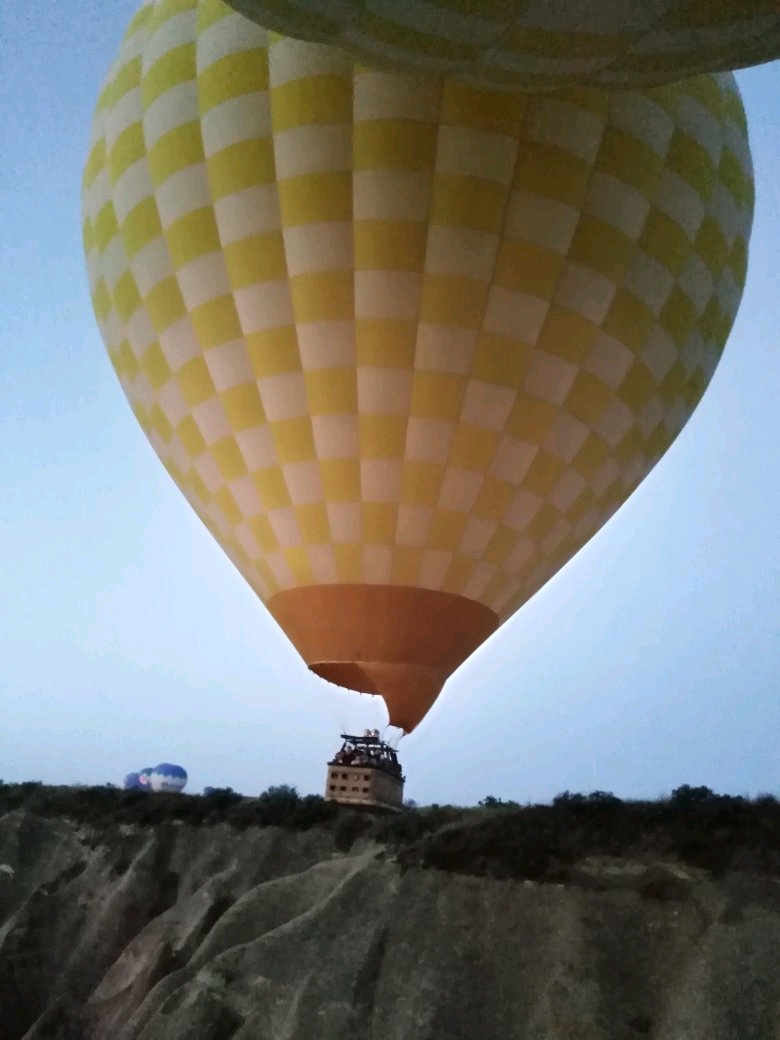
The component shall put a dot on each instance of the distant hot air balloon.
(132, 782)
(404, 345)
(168, 777)
(537, 44)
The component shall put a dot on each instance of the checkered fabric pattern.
(537, 44)
(386, 329)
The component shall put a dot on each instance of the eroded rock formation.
(174, 931)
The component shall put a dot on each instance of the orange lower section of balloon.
(401, 643)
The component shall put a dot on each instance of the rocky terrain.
(128, 917)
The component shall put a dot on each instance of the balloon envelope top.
(535, 44)
(403, 344)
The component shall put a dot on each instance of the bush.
(492, 802)
(278, 803)
(566, 798)
(311, 810)
(687, 795)
(604, 798)
(221, 797)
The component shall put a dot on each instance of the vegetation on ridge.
(717, 833)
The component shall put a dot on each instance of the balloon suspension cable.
(393, 735)
(345, 708)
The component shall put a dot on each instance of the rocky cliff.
(114, 930)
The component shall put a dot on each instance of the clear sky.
(127, 638)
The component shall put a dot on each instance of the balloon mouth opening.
(348, 674)
(407, 689)
(396, 642)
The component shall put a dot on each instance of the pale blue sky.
(127, 638)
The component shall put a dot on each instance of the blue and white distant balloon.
(133, 782)
(168, 777)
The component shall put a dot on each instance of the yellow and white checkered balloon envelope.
(537, 44)
(404, 345)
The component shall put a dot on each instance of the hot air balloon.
(168, 777)
(404, 345)
(536, 44)
(132, 782)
